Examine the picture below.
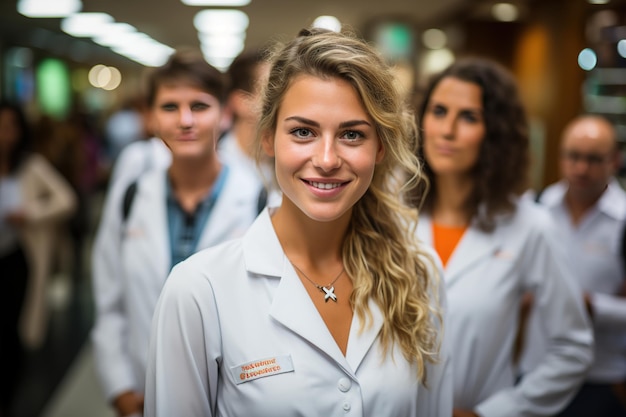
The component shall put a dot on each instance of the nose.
(326, 156)
(185, 116)
(448, 127)
(581, 166)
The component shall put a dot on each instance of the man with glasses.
(589, 208)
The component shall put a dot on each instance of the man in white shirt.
(589, 208)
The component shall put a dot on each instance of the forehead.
(590, 135)
(182, 90)
(323, 97)
(456, 92)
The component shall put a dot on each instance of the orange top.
(445, 239)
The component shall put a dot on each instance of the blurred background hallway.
(569, 57)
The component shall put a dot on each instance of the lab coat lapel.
(225, 220)
(360, 342)
(291, 306)
(474, 246)
(154, 205)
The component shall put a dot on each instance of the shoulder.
(211, 264)
(553, 193)
(528, 222)
(34, 162)
(614, 200)
(37, 168)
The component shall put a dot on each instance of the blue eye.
(199, 106)
(168, 107)
(301, 132)
(352, 135)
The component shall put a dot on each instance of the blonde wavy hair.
(380, 252)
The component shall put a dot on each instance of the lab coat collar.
(474, 246)
(152, 189)
(292, 302)
(612, 202)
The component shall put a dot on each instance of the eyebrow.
(474, 109)
(343, 125)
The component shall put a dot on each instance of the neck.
(579, 204)
(309, 244)
(449, 206)
(192, 180)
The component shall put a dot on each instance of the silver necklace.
(328, 290)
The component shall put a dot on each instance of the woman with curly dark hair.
(494, 246)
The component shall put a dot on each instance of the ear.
(380, 154)
(151, 123)
(617, 161)
(267, 143)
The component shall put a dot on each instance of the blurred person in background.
(34, 198)
(75, 148)
(124, 126)
(495, 247)
(173, 211)
(588, 207)
(247, 73)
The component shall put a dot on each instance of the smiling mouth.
(325, 185)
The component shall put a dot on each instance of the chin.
(325, 215)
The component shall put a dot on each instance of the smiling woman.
(337, 306)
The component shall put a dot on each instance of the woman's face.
(325, 147)
(9, 129)
(453, 127)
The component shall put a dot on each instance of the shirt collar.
(612, 202)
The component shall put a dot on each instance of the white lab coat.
(593, 247)
(485, 279)
(129, 272)
(139, 157)
(258, 176)
(242, 303)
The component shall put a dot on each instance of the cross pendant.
(329, 293)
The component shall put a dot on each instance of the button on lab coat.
(129, 272)
(242, 303)
(485, 279)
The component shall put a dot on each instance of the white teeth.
(325, 185)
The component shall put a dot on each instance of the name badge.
(250, 371)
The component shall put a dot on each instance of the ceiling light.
(587, 59)
(621, 48)
(327, 22)
(216, 3)
(82, 25)
(47, 8)
(221, 21)
(505, 12)
(117, 34)
(598, 1)
(434, 38)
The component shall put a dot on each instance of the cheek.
(473, 143)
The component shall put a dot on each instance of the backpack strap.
(127, 202)
(623, 246)
(538, 195)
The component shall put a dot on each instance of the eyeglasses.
(591, 159)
